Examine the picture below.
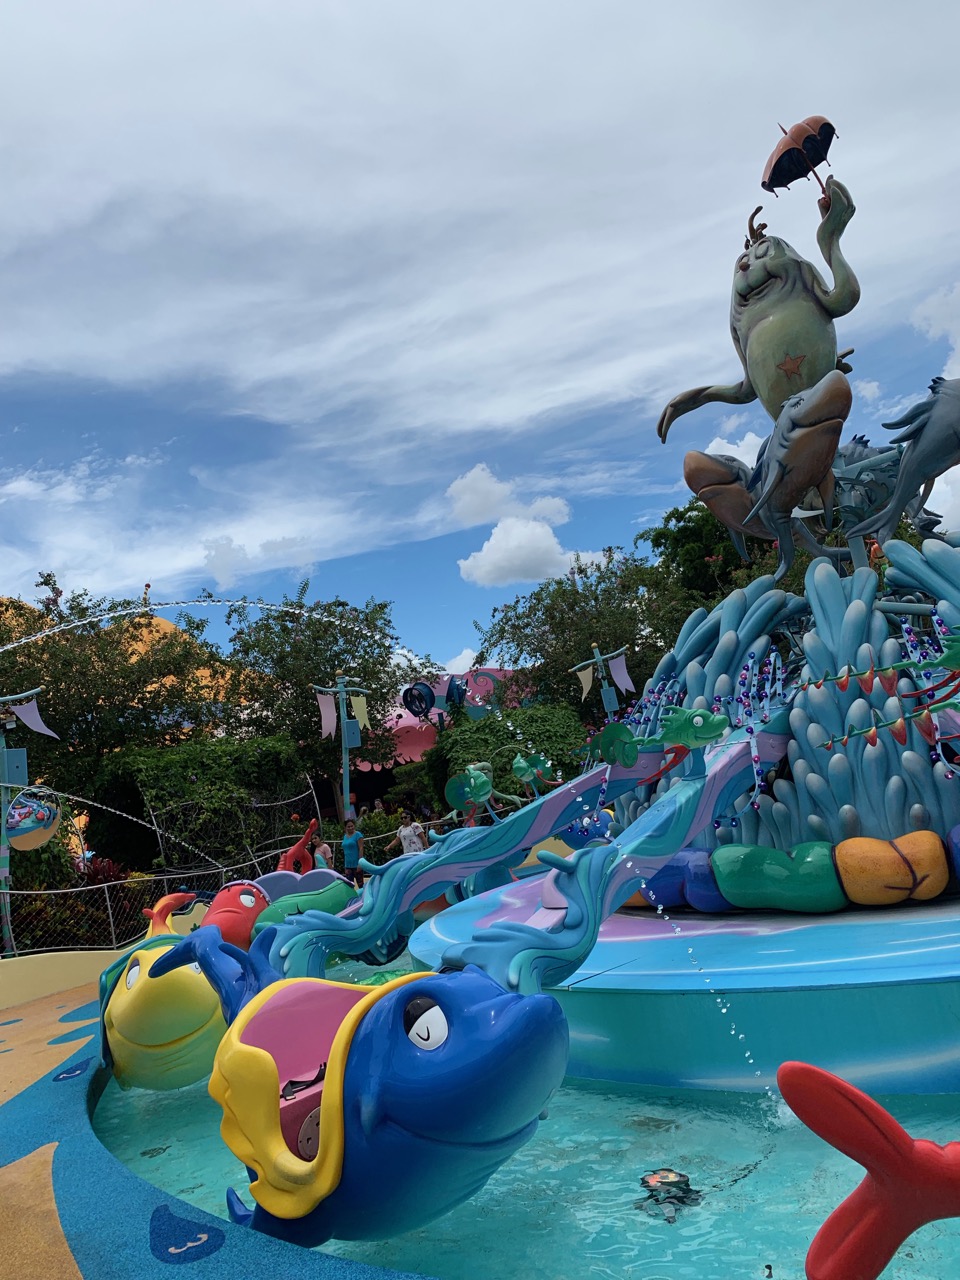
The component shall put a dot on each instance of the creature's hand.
(678, 406)
(836, 210)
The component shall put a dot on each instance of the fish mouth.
(171, 1043)
(824, 423)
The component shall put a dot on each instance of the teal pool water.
(563, 1208)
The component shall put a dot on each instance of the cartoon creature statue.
(908, 1182)
(931, 433)
(160, 1034)
(421, 1088)
(299, 857)
(796, 458)
(781, 315)
(235, 910)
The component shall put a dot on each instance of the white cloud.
(732, 422)
(519, 549)
(323, 215)
(745, 448)
(939, 317)
(945, 499)
(866, 389)
(522, 546)
(478, 497)
(461, 663)
(325, 210)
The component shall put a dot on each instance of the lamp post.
(13, 776)
(608, 694)
(349, 729)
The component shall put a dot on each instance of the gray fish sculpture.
(932, 438)
(781, 315)
(796, 458)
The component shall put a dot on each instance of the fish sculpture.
(781, 315)
(235, 910)
(909, 1181)
(931, 433)
(796, 458)
(160, 1034)
(421, 1088)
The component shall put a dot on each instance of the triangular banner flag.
(328, 715)
(586, 680)
(621, 676)
(358, 704)
(29, 713)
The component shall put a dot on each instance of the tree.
(112, 675)
(695, 549)
(277, 654)
(554, 731)
(216, 796)
(622, 599)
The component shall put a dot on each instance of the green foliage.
(106, 684)
(623, 599)
(277, 655)
(556, 731)
(218, 795)
(416, 785)
(695, 550)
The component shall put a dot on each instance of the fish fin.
(767, 491)
(908, 1183)
(740, 546)
(238, 1211)
(826, 489)
(757, 466)
(912, 432)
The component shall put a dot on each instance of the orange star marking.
(791, 365)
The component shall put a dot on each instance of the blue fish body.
(445, 1077)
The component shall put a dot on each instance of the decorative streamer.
(586, 681)
(29, 713)
(358, 704)
(328, 715)
(621, 677)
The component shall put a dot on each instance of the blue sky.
(391, 296)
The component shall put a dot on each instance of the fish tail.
(908, 1182)
(862, 1234)
(159, 914)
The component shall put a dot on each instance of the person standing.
(411, 837)
(322, 853)
(352, 853)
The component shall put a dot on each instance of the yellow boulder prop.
(881, 873)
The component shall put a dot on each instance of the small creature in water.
(667, 1192)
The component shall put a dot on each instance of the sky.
(390, 296)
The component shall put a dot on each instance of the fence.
(110, 915)
(93, 917)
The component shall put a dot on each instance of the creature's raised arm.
(837, 208)
(738, 393)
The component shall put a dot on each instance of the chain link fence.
(101, 916)
(111, 915)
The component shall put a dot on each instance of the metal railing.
(99, 916)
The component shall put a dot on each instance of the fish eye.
(424, 1023)
(697, 722)
(196, 968)
(133, 973)
(247, 899)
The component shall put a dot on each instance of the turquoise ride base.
(872, 995)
